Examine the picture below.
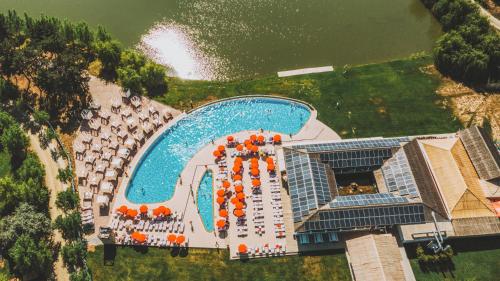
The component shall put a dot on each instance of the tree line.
(469, 50)
(49, 59)
(25, 226)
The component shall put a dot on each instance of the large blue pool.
(154, 178)
(205, 200)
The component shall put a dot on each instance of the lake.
(228, 39)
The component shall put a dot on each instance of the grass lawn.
(4, 163)
(203, 264)
(475, 259)
(386, 99)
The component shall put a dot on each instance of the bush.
(67, 200)
(74, 254)
(64, 175)
(69, 225)
(469, 50)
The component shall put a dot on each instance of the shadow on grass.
(179, 252)
(109, 254)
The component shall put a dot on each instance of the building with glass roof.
(367, 184)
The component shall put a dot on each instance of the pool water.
(205, 200)
(156, 174)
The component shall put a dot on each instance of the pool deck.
(183, 200)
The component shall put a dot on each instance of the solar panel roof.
(398, 176)
(366, 217)
(367, 200)
(352, 144)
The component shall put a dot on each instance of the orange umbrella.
(135, 234)
(238, 188)
(223, 213)
(230, 138)
(239, 213)
(277, 138)
(221, 192)
(254, 172)
(247, 142)
(143, 209)
(166, 211)
(239, 206)
(270, 167)
(242, 248)
(253, 137)
(180, 239)
(240, 195)
(234, 200)
(237, 177)
(256, 182)
(226, 184)
(254, 160)
(221, 148)
(249, 146)
(254, 165)
(216, 153)
(171, 238)
(220, 200)
(237, 169)
(260, 138)
(123, 209)
(132, 213)
(156, 212)
(221, 223)
(269, 160)
(238, 160)
(140, 238)
(255, 148)
(239, 147)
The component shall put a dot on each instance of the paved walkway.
(54, 186)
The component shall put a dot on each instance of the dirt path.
(54, 186)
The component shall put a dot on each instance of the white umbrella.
(107, 187)
(103, 200)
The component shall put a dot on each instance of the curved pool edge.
(311, 108)
(150, 143)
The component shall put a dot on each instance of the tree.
(16, 142)
(31, 168)
(80, 275)
(64, 175)
(108, 52)
(74, 254)
(67, 200)
(130, 79)
(31, 258)
(69, 225)
(6, 121)
(153, 79)
(34, 194)
(490, 46)
(25, 220)
(40, 118)
(9, 195)
(132, 59)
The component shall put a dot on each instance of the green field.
(386, 99)
(475, 265)
(201, 264)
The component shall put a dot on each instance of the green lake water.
(220, 39)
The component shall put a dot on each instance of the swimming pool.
(156, 174)
(205, 201)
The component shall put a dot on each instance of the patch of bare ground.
(469, 106)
